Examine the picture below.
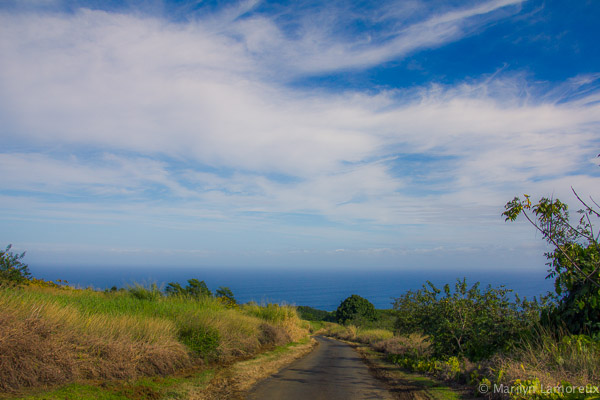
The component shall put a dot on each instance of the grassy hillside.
(51, 335)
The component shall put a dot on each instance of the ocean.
(323, 289)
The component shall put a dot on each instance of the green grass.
(270, 312)
(146, 388)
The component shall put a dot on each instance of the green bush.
(140, 292)
(194, 288)
(226, 296)
(202, 340)
(356, 310)
(466, 321)
(12, 269)
(313, 314)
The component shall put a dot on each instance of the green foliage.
(202, 340)
(194, 288)
(313, 314)
(574, 263)
(384, 319)
(450, 368)
(466, 321)
(226, 296)
(532, 389)
(271, 312)
(140, 292)
(12, 269)
(197, 288)
(174, 289)
(356, 310)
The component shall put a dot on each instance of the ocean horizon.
(322, 289)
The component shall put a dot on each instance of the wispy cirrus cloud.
(319, 45)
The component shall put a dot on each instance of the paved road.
(330, 372)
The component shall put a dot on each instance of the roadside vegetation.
(490, 339)
(53, 334)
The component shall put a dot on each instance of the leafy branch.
(550, 217)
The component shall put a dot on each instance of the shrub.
(140, 292)
(194, 288)
(12, 269)
(355, 309)
(313, 314)
(271, 335)
(201, 340)
(226, 296)
(466, 321)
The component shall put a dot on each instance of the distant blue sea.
(322, 289)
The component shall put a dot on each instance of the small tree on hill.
(355, 308)
(198, 288)
(12, 269)
(226, 296)
(174, 289)
(194, 288)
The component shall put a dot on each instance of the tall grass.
(553, 356)
(77, 334)
(357, 333)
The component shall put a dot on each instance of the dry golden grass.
(42, 343)
(357, 334)
(414, 344)
(50, 336)
(553, 358)
(232, 383)
(372, 336)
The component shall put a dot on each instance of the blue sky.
(292, 134)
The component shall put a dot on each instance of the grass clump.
(357, 333)
(271, 312)
(200, 339)
(141, 292)
(553, 356)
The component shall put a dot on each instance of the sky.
(300, 134)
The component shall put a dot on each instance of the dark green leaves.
(355, 308)
(574, 262)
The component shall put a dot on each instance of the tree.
(226, 296)
(194, 288)
(174, 288)
(355, 308)
(574, 262)
(12, 269)
(197, 288)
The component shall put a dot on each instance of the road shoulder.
(235, 381)
(406, 385)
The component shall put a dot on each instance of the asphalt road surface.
(330, 372)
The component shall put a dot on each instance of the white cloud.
(317, 49)
(189, 129)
